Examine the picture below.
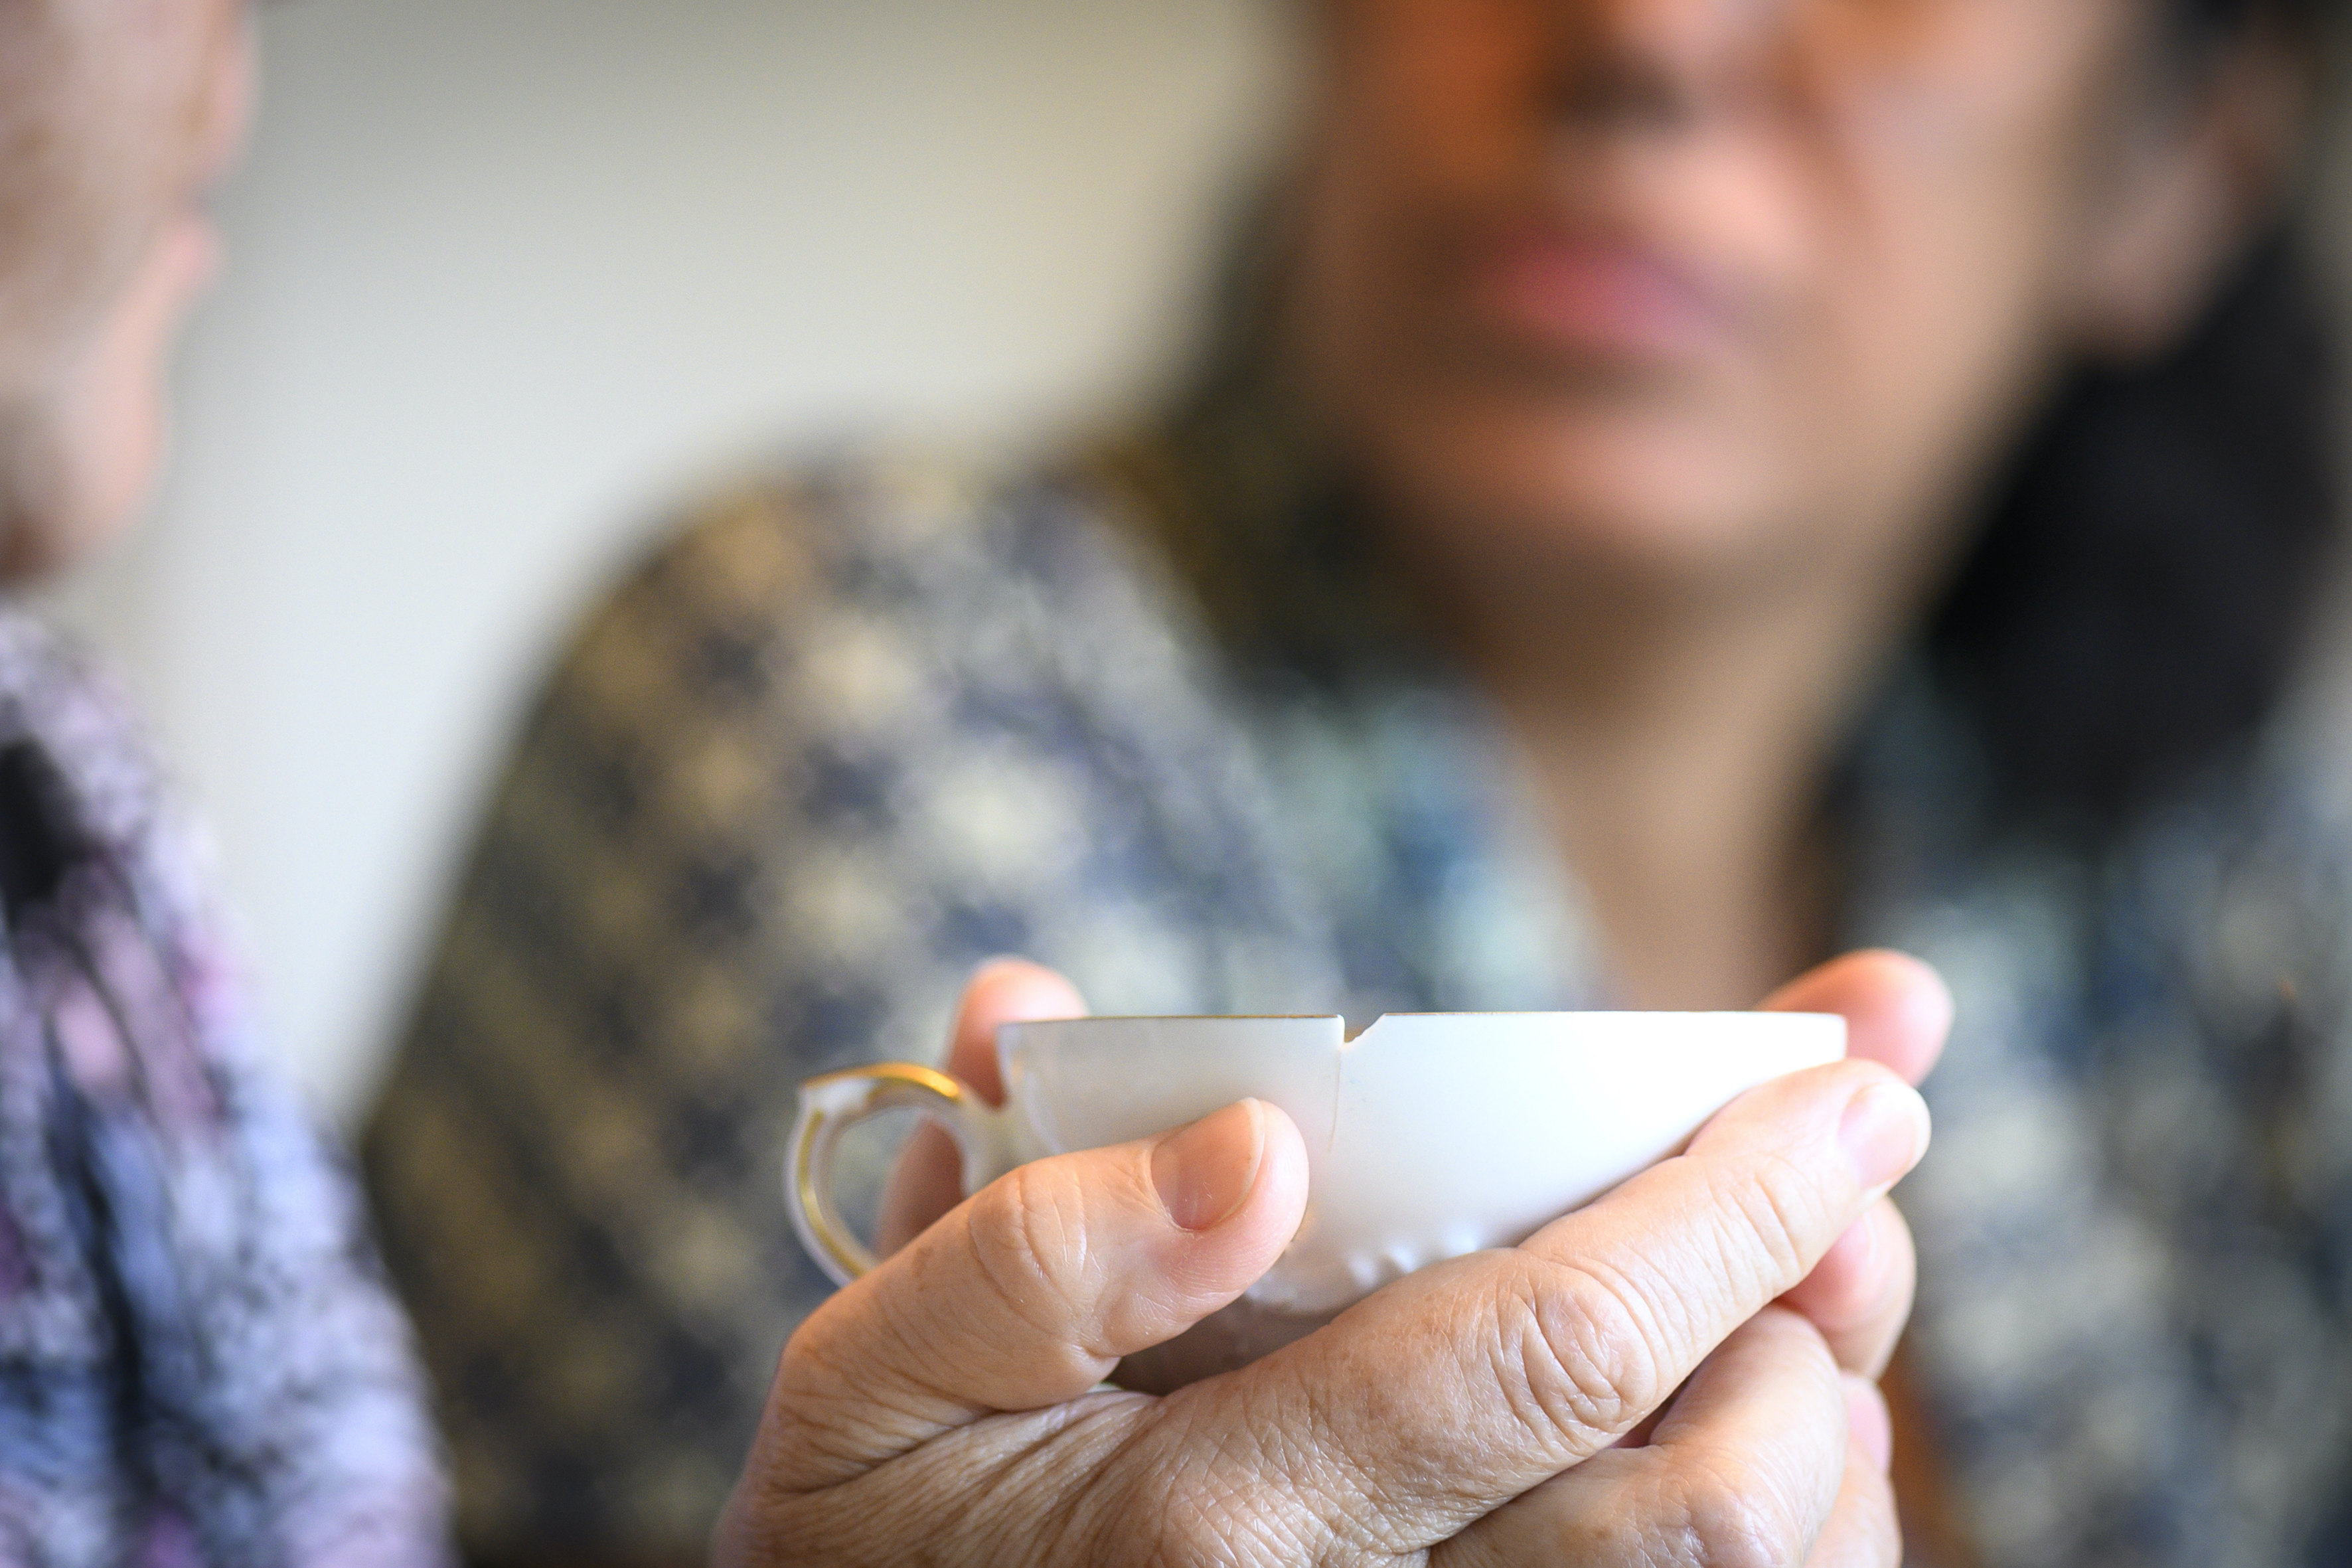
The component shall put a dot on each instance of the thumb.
(1031, 1291)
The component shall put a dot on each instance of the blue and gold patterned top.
(845, 736)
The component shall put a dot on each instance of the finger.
(1473, 1381)
(1859, 1294)
(1029, 1292)
(1863, 1530)
(1869, 1423)
(1897, 1010)
(1748, 1465)
(1004, 991)
(926, 1179)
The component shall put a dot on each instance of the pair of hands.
(1681, 1372)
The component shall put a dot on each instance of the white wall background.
(507, 274)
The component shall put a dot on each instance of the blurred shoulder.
(890, 526)
(862, 572)
(866, 521)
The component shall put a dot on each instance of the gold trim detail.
(888, 1085)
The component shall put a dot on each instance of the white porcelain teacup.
(1428, 1136)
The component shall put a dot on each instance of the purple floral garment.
(199, 1362)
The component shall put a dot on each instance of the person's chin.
(1626, 505)
(41, 545)
(73, 486)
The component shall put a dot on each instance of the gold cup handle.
(833, 1103)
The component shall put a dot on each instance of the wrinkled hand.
(1518, 1406)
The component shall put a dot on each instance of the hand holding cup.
(1473, 1412)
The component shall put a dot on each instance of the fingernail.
(1884, 1132)
(1205, 1172)
(1867, 1422)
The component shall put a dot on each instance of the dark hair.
(2145, 574)
(2143, 581)
(2200, 21)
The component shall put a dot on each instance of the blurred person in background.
(202, 1366)
(200, 1363)
(1677, 488)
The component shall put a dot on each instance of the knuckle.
(1028, 1236)
(1576, 1354)
(1734, 1516)
(1777, 1207)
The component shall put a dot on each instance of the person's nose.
(1661, 66)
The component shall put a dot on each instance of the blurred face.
(1665, 288)
(116, 116)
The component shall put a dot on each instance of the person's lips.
(1573, 297)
